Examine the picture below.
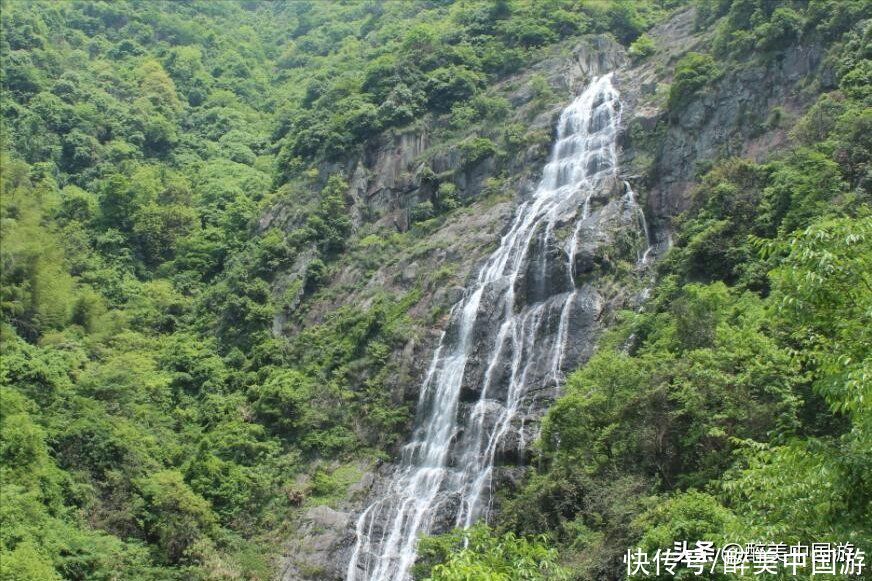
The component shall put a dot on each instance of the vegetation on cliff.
(153, 424)
(736, 406)
(151, 421)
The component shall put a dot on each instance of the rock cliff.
(660, 155)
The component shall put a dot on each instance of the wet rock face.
(546, 272)
(586, 318)
(545, 284)
(524, 320)
(396, 172)
(395, 181)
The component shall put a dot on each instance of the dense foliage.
(476, 553)
(153, 424)
(151, 421)
(446, 57)
(135, 156)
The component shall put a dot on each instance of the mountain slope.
(232, 233)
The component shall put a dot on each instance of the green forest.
(154, 427)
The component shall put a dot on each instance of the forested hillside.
(199, 343)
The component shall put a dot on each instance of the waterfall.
(505, 339)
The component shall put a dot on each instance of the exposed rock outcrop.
(730, 117)
(660, 154)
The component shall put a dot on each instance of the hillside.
(588, 276)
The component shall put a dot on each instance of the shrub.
(422, 211)
(176, 517)
(476, 149)
(447, 196)
(642, 47)
(528, 33)
(784, 28)
(284, 401)
(448, 85)
(479, 553)
(692, 73)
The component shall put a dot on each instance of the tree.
(823, 291)
(157, 228)
(448, 85)
(283, 402)
(175, 516)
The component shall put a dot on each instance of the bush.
(448, 196)
(783, 29)
(283, 402)
(491, 107)
(448, 85)
(625, 21)
(692, 73)
(176, 517)
(479, 553)
(642, 47)
(422, 211)
(690, 515)
(528, 33)
(477, 149)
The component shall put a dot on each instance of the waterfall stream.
(508, 335)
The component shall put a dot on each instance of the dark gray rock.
(727, 118)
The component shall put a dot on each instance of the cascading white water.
(448, 465)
